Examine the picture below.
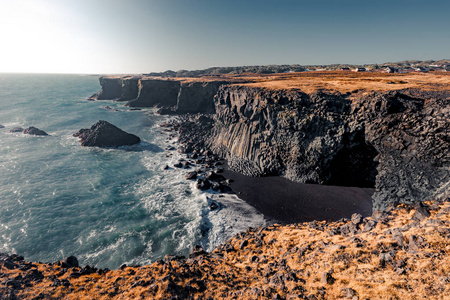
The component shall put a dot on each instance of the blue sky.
(136, 36)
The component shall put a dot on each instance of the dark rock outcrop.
(397, 142)
(1, 126)
(30, 130)
(104, 134)
(34, 131)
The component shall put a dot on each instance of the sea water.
(105, 206)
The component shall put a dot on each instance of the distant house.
(360, 70)
(390, 70)
(345, 69)
(421, 69)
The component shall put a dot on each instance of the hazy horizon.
(137, 36)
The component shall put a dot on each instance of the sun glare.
(37, 38)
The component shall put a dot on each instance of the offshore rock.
(34, 131)
(104, 134)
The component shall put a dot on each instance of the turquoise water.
(107, 207)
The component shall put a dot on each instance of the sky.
(140, 36)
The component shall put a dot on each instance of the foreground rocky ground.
(399, 254)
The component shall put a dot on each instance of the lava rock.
(421, 212)
(105, 134)
(191, 175)
(356, 218)
(15, 130)
(202, 184)
(70, 262)
(34, 131)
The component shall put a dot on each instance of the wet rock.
(202, 184)
(1, 126)
(34, 131)
(197, 250)
(213, 206)
(191, 175)
(16, 130)
(105, 134)
(178, 165)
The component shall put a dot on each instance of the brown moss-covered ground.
(401, 254)
(340, 81)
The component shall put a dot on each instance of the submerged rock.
(105, 134)
(15, 130)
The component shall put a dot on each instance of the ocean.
(107, 207)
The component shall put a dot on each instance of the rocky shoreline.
(400, 253)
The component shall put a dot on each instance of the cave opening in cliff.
(354, 165)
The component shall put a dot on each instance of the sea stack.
(105, 134)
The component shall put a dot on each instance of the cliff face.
(111, 88)
(397, 142)
(117, 88)
(153, 92)
(411, 132)
(305, 138)
(197, 97)
(175, 96)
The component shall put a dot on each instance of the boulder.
(105, 134)
(1, 126)
(34, 131)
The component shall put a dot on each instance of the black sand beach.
(290, 202)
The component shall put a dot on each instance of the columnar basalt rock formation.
(325, 128)
(397, 141)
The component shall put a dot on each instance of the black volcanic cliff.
(175, 96)
(397, 142)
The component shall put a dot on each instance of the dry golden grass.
(341, 81)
